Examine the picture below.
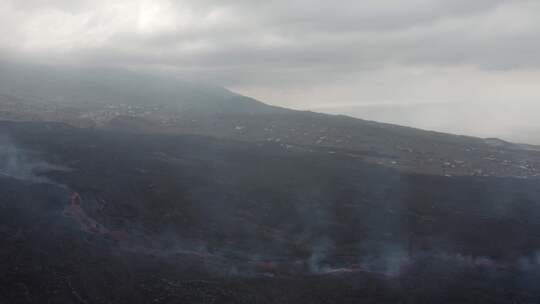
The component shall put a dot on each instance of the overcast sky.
(310, 54)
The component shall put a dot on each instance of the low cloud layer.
(299, 53)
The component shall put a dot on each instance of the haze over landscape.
(435, 60)
(271, 152)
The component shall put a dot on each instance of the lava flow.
(75, 211)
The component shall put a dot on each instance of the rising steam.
(22, 164)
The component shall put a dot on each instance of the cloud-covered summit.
(300, 53)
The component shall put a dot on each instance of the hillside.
(126, 190)
(132, 102)
(105, 216)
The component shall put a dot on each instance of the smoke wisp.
(22, 164)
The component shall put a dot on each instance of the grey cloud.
(296, 52)
(70, 6)
(277, 34)
(300, 33)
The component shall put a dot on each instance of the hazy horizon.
(454, 118)
(457, 56)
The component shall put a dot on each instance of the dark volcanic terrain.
(103, 217)
(205, 196)
(122, 101)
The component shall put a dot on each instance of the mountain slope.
(106, 216)
(122, 188)
(94, 88)
(131, 102)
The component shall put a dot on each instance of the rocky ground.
(104, 216)
(124, 188)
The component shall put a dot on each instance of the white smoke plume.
(22, 164)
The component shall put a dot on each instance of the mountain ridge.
(167, 106)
